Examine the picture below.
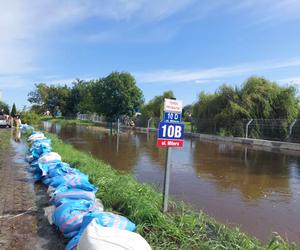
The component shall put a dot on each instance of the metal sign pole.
(167, 179)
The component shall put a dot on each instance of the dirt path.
(22, 221)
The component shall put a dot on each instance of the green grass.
(181, 228)
(187, 127)
(69, 121)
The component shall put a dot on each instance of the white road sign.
(173, 105)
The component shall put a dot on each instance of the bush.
(30, 117)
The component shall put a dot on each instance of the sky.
(187, 46)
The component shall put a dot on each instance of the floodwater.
(255, 189)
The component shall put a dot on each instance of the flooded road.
(256, 190)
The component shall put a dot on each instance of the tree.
(187, 113)
(52, 98)
(38, 97)
(81, 98)
(5, 107)
(116, 95)
(13, 112)
(154, 107)
(224, 111)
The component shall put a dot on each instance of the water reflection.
(254, 173)
(257, 190)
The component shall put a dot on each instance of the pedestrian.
(18, 121)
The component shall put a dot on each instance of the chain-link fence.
(267, 129)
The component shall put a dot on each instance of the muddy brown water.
(255, 189)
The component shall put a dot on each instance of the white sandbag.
(48, 212)
(95, 237)
(34, 137)
(99, 204)
(49, 157)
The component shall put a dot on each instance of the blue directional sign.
(170, 134)
(172, 117)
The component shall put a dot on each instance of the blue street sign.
(172, 117)
(170, 134)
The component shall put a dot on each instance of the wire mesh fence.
(267, 129)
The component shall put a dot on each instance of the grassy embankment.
(181, 228)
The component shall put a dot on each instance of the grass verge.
(181, 228)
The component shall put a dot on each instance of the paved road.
(22, 221)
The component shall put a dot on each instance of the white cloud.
(290, 80)
(215, 74)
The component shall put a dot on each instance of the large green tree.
(52, 98)
(116, 95)
(154, 107)
(227, 110)
(81, 98)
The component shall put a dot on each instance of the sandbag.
(95, 237)
(71, 194)
(68, 216)
(72, 244)
(49, 157)
(77, 180)
(44, 140)
(60, 168)
(36, 136)
(40, 149)
(108, 219)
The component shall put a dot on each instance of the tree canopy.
(4, 106)
(258, 98)
(116, 95)
(13, 111)
(111, 96)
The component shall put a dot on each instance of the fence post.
(291, 128)
(247, 128)
(118, 126)
(148, 125)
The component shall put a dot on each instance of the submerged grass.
(181, 228)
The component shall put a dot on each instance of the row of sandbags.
(74, 209)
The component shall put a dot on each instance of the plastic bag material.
(79, 182)
(108, 219)
(70, 180)
(25, 127)
(99, 205)
(95, 237)
(36, 132)
(68, 216)
(60, 168)
(72, 244)
(46, 167)
(72, 194)
(37, 151)
(45, 140)
(49, 157)
(36, 136)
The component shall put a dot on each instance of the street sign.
(172, 117)
(170, 134)
(171, 105)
